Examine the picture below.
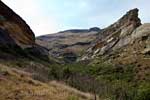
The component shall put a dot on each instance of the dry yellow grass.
(17, 85)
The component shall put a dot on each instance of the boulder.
(142, 31)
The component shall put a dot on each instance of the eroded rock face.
(123, 26)
(142, 31)
(116, 35)
(5, 39)
(16, 37)
(127, 44)
(15, 27)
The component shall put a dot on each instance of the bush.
(73, 98)
(143, 91)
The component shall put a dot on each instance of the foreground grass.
(103, 79)
(17, 85)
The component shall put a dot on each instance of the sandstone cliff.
(15, 27)
(16, 37)
(116, 35)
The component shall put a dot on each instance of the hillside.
(18, 85)
(68, 45)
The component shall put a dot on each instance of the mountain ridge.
(96, 29)
(68, 44)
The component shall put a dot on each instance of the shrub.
(73, 98)
(143, 91)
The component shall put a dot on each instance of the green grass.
(73, 98)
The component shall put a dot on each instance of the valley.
(112, 63)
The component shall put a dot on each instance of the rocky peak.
(93, 29)
(122, 28)
(96, 29)
(15, 26)
(129, 22)
(116, 35)
(131, 17)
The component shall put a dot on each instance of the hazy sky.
(50, 16)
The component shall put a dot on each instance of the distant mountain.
(69, 44)
(94, 29)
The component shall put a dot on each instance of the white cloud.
(31, 12)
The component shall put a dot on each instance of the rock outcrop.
(116, 35)
(16, 37)
(126, 42)
(5, 39)
(15, 27)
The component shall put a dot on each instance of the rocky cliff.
(16, 37)
(125, 42)
(116, 35)
(14, 27)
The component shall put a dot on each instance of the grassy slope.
(17, 85)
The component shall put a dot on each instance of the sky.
(51, 16)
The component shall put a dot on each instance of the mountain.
(116, 34)
(69, 44)
(126, 42)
